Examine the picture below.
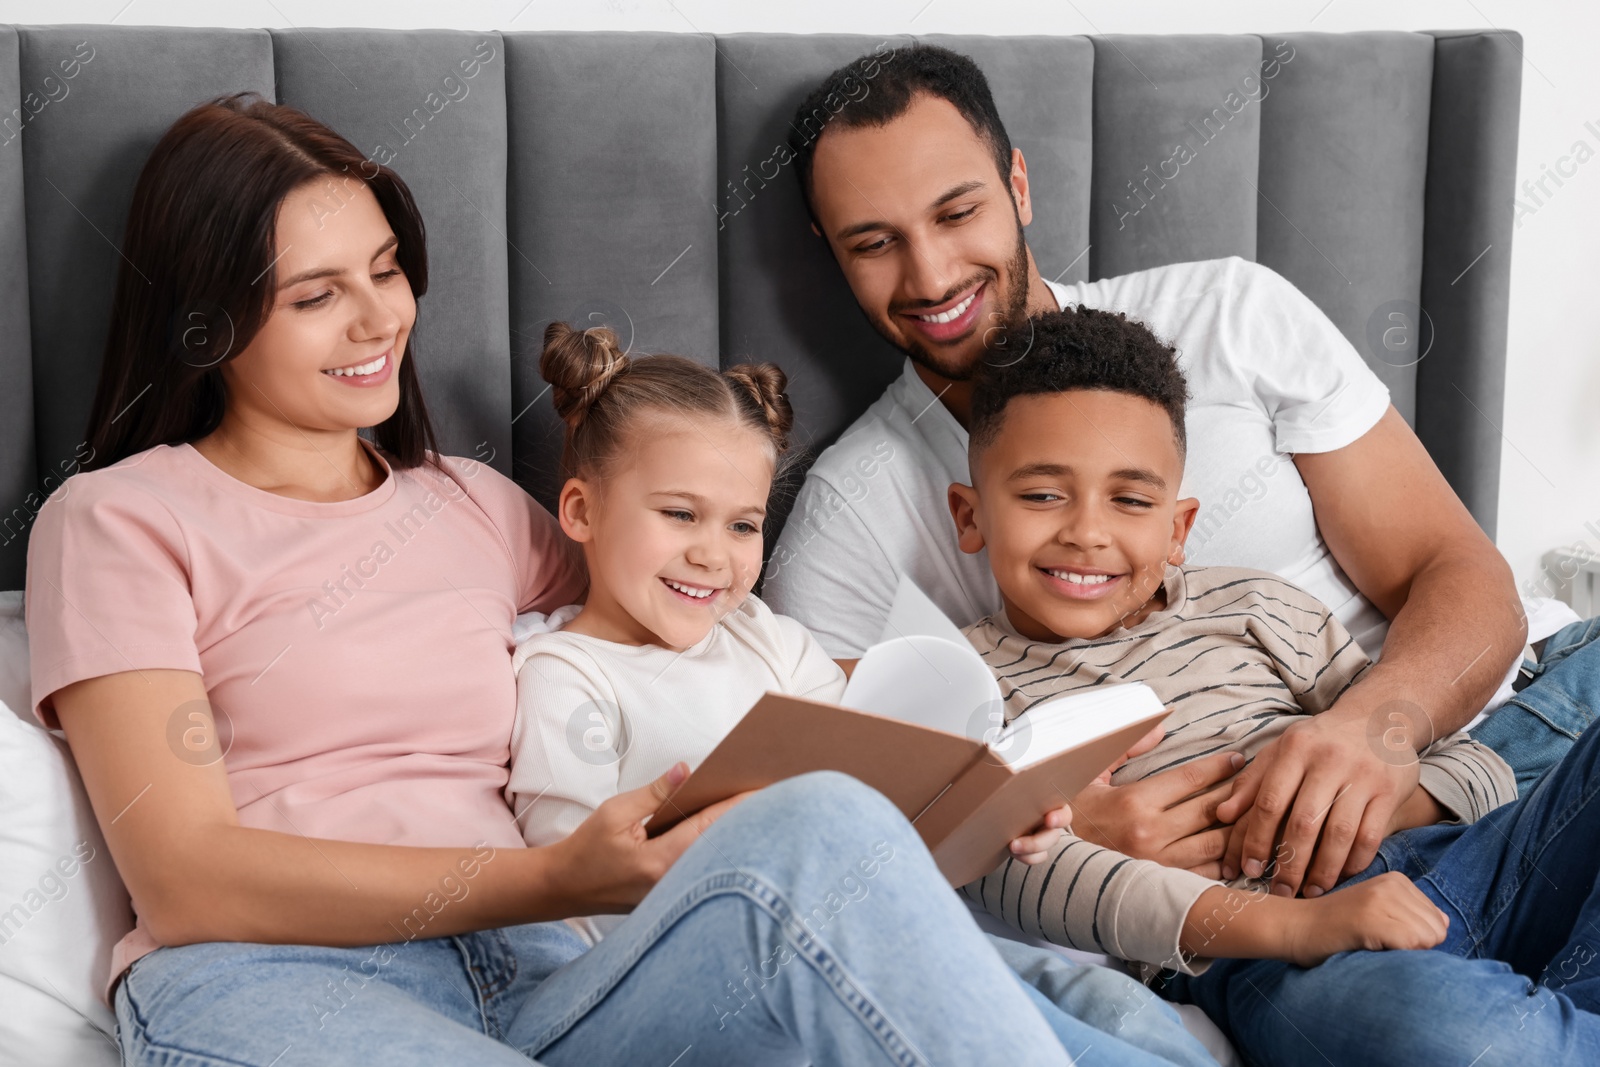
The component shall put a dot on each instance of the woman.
(242, 575)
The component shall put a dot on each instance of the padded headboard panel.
(637, 180)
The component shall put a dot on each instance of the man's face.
(927, 232)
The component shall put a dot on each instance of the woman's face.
(342, 305)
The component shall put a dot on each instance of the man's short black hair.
(877, 88)
(1082, 348)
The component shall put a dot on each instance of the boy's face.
(1076, 499)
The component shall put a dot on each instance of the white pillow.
(62, 906)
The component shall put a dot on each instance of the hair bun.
(579, 365)
(764, 383)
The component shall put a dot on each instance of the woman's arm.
(196, 875)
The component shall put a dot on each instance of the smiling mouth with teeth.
(1074, 578)
(696, 592)
(360, 369)
(954, 313)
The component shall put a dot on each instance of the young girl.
(669, 468)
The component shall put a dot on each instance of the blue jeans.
(809, 924)
(1534, 729)
(1070, 995)
(1516, 980)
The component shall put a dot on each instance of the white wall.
(1550, 471)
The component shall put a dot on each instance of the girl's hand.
(608, 863)
(1385, 912)
(1035, 847)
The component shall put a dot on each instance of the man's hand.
(1169, 817)
(1322, 788)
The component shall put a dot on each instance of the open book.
(922, 721)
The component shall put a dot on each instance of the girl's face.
(672, 533)
(342, 304)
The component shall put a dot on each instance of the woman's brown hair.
(600, 393)
(203, 229)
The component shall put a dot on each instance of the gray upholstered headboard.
(638, 178)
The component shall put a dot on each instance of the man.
(923, 201)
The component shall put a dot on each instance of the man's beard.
(998, 335)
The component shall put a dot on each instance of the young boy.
(1076, 457)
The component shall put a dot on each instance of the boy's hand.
(1169, 817)
(1384, 912)
(1140, 747)
(608, 863)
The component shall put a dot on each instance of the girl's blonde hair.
(600, 392)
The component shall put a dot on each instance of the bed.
(639, 180)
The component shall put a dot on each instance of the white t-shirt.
(596, 718)
(1269, 375)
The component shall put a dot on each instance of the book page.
(930, 681)
(912, 613)
(1074, 720)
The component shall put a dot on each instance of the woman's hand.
(609, 863)
(1140, 747)
(1384, 912)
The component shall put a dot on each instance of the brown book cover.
(969, 828)
(963, 798)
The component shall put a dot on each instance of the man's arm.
(1398, 530)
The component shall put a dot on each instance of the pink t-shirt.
(360, 650)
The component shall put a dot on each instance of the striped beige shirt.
(1238, 655)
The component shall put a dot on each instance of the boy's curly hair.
(1082, 348)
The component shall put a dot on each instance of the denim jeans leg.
(1393, 1009)
(809, 924)
(1519, 886)
(223, 1004)
(1569, 639)
(1536, 727)
(1070, 994)
(1522, 879)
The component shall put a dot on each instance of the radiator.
(1574, 574)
